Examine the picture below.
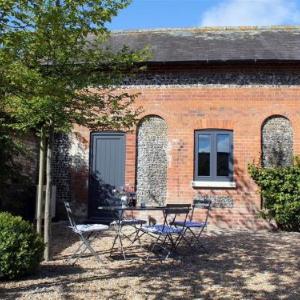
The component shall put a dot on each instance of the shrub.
(21, 248)
(280, 190)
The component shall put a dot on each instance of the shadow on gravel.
(239, 265)
(46, 272)
(65, 238)
(251, 266)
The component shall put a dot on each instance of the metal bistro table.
(120, 222)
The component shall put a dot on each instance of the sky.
(146, 14)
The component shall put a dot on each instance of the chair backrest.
(174, 210)
(202, 204)
(177, 208)
(70, 214)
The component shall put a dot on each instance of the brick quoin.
(185, 110)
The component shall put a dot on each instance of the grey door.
(107, 172)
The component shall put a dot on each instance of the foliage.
(57, 68)
(21, 249)
(280, 190)
(10, 148)
(16, 189)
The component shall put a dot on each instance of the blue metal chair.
(86, 232)
(195, 228)
(168, 235)
(122, 222)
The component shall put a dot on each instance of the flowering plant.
(126, 195)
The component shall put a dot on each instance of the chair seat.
(190, 224)
(125, 222)
(90, 227)
(161, 229)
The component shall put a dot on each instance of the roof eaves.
(227, 61)
(212, 29)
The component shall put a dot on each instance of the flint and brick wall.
(152, 142)
(242, 110)
(277, 142)
(240, 107)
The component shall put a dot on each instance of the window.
(213, 155)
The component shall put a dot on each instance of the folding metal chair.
(86, 232)
(122, 222)
(164, 232)
(195, 228)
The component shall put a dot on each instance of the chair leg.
(137, 236)
(113, 245)
(196, 239)
(203, 247)
(79, 248)
(163, 245)
(85, 241)
(174, 244)
(178, 240)
(118, 237)
(169, 251)
(153, 246)
(181, 237)
(122, 248)
(189, 243)
(92, 250)
(75, 253)
(128, 237)
(79, 256)
(88, 246)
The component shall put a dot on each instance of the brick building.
(214, 101)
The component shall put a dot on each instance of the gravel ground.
(239, 265)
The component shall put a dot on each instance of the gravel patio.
(240, 265)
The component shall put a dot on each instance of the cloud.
(252, 13)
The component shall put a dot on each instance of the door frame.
(91, 153)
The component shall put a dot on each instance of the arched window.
(277, 142)
(152, 160)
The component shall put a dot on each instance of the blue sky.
(144, 14)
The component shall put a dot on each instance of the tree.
(9, 150)
(57, 70)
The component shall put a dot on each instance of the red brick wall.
(242, 110)
(187, 108)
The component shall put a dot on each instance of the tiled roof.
(214, 44)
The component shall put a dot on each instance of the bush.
(280, 190)
(21, 248)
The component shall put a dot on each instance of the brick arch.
(152, 160)
(277, 141)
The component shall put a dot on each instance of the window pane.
(223, 154)
(204, 149)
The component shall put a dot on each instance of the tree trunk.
(40, 197)
(47, 218)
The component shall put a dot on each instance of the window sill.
(214, 184)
